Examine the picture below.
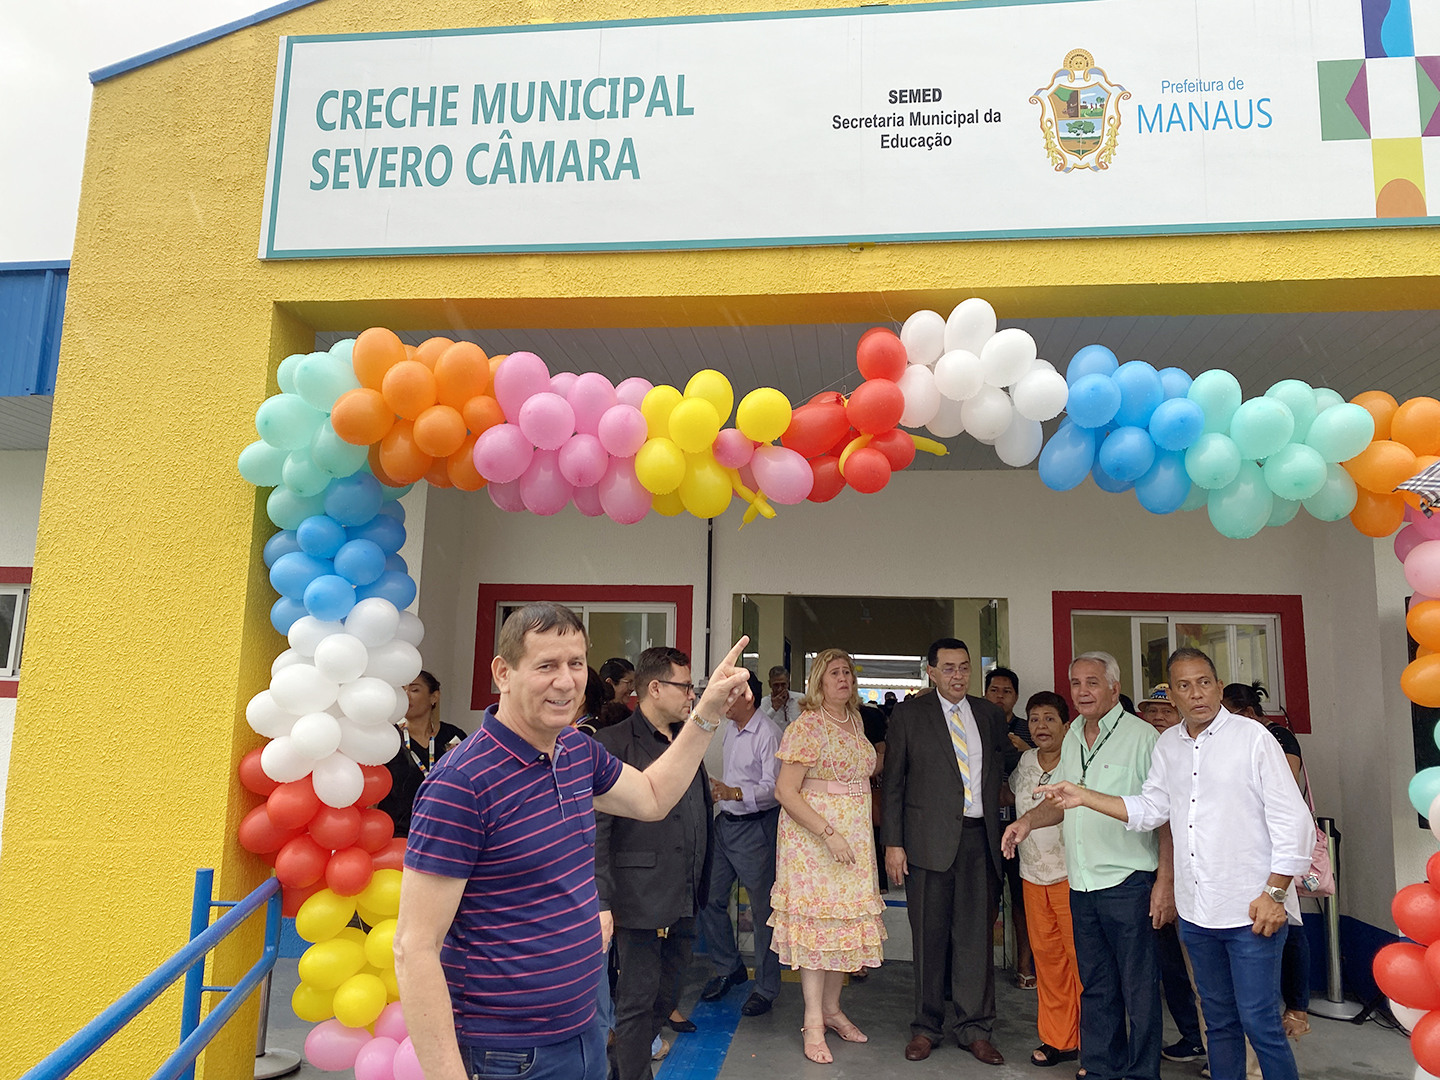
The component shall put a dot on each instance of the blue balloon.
(293, 572)
(1164, 489)
(396, 563)
(395, 510)
(1094, 401)
(282, 543)
(383, 530)
(399, 589)
(1177, 423)
(1176, 382)
(1126, 454)
(1140, 392)
(284, 612)
(360, 562)
(1091, 360)
(329, 598)
(1066, 459)
(1105, 482)
(321, 536)
(354, 499)
(1424, 787)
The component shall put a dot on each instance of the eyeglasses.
(688, 687)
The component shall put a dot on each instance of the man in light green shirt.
(1121, 883)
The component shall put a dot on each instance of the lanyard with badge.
(424, 769)
(1085, 762)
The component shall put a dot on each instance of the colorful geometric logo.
(1080, 114)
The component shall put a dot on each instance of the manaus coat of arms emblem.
(1080, 114)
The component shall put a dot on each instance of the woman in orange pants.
(1047, 889)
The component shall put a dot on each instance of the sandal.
(1045, 1055)
(841, 1025)
(1296, 1023)
(817, 1052)
(1025, 982)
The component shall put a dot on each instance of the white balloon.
(338, 780)
(947, 422)
(1019, 444)
(267, 718)
(373, 620)
(341, 658)
(917, 386)
(1041, 365)
(402, 704)
(411, 629)
(397, 662)
(1008, 357)
(285, 659)
(368, 701)
(301, 689)
(316, 735)
(282, 762)
(923, 336)
(988, 413)
(368, 745)
(970, 325)
(1421, 1074)
(307, 631)
(959, 375)
(1041, 395)
(1407, 1016)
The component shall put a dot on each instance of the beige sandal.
(817, 1052)
(1296, 1023)
(841, 1025)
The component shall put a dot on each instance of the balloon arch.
(354, 427)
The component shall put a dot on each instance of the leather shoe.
(755, 1005)
(918, 1048)
(985, 1052)
(720, 985)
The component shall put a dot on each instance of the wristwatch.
(703, 724)
(1278, 895)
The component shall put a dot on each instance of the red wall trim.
(13, 575)
(481, 697)
(1288, 608)
(9, 688)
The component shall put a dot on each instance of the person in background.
(1002, 688)
(618, 677)
(781, 706)
(877, 722)
(889, 703)
(588, 718)
(424, 738)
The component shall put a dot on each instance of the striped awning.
(1426, 484)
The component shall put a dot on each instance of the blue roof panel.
(32, 307)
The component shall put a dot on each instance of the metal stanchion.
(271, 1063)
(1333, 1006)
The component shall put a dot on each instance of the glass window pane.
(1213, 639)
(626, 633)
(1106, 633)
(1154, 650)
(9, 604)
(1251, 662)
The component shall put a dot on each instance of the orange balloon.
(361, 416)
(436, 475)
(1423, 622)
(409, 388)
(1420, 681)
(1417, 424)
(377, 350)
(410, 352)
(1423, 650)
(461, 372)
(461, 467)
(400, 457)
(439, 431)
(1382, 465)
(1381, 406)
(481, 413)
(495, 364)
(431, 349)
(379, 469)
(1422, 462)
(1377, 515)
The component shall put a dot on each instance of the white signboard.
(986, 119)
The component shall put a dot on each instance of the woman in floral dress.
(826, 900)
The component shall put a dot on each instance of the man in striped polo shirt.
(498, 947)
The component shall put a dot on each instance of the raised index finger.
(734, 653)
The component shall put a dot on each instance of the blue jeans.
(1237, 972)
(580, 1057)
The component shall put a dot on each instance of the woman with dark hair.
(424, 738)
(587, 719)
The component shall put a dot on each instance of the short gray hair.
(1112, 667)
(779, 669)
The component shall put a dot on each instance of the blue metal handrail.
(189, 961)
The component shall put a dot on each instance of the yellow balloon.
(329, 963)
(312, 1004)
(392, 987)
(380, 945)
(359, 1000)
(368, 916)
(323, 915)
(694, 423)
(660, 466)
(714, 388)
(706, 489)
(764, 414)
(656, 408)
(382, 896)
(668, 505)
(351, 933)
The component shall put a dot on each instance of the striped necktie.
(962, 751)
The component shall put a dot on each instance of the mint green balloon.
(286, 422)
(260, 464)
(1341, 432)
(389, 494)
(1197, 498)
(1217, 392)
(334, 454)
(1283, 512)
(287, 510)
(285, 374)
(302, 475)
(1300, 396)
(1295, 472)
(1325, 397)
(1261, 426)
(1337, 498)
(320, 378)
(344, 350)
(1213, 461)
(1242, 507)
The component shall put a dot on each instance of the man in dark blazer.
(652, 876)
(943, 759)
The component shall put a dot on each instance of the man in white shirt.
(781, 707)
(1242, 834)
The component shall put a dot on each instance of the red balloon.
(252, 777)
(1401, 972)
(349, 871)
(814, 428)
(335, 827)
(1432, 867)
(875, 406)
(867, 470)
(391, 856)
(880, 355)
(259, 834)
(897, 446)
(828, 481)
(827, 397)
(301, 862)
(291, 899)
(292, 805)
(1416, 909)
(376, 830)
(268, 858)
(378, 783)
(1425, 1043)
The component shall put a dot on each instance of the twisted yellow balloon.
(930, 446)
(855, 444)
(757, 501)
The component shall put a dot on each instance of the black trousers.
(648, 989)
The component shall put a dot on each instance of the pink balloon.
(621, 495)
(1405, 541)
(632, 391)
(332, 1046)
(547, 421)
(622, 430)
(747, 475)
(376, 1060)
(587, 501)
(783, 475)
(1416, 599)
(562, 381)
(591, 397)
(733, 449)
(407, 1065)
(507, 496)
(542, 487)
(583, 460)
(502, 453)
(1422, 568)
(1429, 527)
(391, 1023)
(520, 375)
